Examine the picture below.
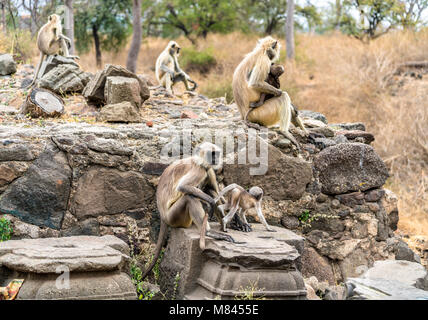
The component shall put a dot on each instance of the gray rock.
(40, 197)
(121, 89)
(281, 168)
(120, 112)
(102, 191)
(94, 91)
(403, 252)
(313, 115)
(65, 78)
(384, 289)
(350, 167)
(81, 253)
(315, 265)
(17, 152)
(8, 110)
(349, 126)
(366, 137)
(406, 272)
(7, 65)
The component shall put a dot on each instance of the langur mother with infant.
(249, 82)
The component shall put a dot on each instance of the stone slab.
(78, 254)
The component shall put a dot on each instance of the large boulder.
(7, 65)
(391, 279)
(286, 177)
(103, 191)
(349, 167)
(40, 197)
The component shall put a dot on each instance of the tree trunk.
(97, 45)
(289, 29)
(69, 24)
(3, 15)
(338, 14)
(134, 50)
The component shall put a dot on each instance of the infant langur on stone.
(276, 70)
(239, 200)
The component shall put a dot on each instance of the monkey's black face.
(213, 158)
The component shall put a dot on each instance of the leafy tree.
(105, 23)
(410, 12)
(194, 18)
(375, 18)
(269, 16)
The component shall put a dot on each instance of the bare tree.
(32, 6)
(69, 23)
(134, 50)
(289, 29)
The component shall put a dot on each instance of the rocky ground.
(77, 175)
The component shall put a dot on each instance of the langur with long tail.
(239, 201)
(249, 82)
(51, 41)
(180, 194)
(168, 71)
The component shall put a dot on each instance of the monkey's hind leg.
(251, 124)
(200, 218)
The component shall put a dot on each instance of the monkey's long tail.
(203, 232)
(161, 239)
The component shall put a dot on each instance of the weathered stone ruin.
(63, 179)
(267, 264)
(120, 92)
(94, 268)
(63, 75)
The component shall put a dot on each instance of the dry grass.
(347, 81)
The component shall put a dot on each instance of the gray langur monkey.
(179, 196)
(239, 201)
(50, 41)
(249, 82)
(168, 71)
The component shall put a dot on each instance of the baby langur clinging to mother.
(168, 71)
(239, 201)
(249, 83)
(50, 41)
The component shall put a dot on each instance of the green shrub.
(5, 229)
(200, 61)
(219, 88)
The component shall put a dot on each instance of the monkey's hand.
(271, 230)
(278, 93)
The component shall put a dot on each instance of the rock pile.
(121, 91)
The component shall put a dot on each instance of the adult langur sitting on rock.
(168, 71)
(179, 196)
(50, 41)
(249, 82)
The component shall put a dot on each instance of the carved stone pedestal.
(70, 268)
(263, 264)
